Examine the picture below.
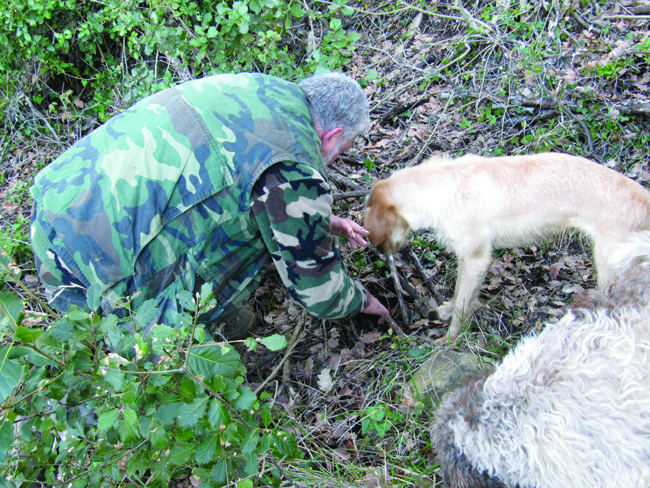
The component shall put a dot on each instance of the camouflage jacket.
(160, 194)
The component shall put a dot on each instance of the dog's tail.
(631, 253)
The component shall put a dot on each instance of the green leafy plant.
(380, 419)
(92, 59)
(90, 400)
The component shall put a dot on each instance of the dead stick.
(350, 194)
(393, 325)
(297, 336)
(427, 280)
(398, 288)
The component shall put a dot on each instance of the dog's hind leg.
(471, 273)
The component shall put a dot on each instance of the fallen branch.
(343, 180)
(418, 265)
(297, 336)
(636, 109)
(350, 194)
(393, 325)
(400, 108)
(398, 288)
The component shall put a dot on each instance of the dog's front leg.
(471, 273)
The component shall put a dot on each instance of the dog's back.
(512, 201)
(521, 194)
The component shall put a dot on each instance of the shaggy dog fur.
(569, 408)
(476, 204)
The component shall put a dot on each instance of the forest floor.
(523, 78)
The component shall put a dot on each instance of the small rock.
(445, 372)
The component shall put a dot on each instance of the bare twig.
(398, 288)
(40, 116)
(343, 180)
(427, 280)
(350, 194)
(298, 335)
(393, 325)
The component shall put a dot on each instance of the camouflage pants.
(65, 286)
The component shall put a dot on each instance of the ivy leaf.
(10, 373)
(192, 412)
(217, 359)
(205, 451)
(276, 342)
(108, 419)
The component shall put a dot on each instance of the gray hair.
(337, 101)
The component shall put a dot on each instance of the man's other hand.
(349, 229)
(374, 306)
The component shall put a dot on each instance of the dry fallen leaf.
(370, 337)
(325, 383)
(554, 269)
(10, 207)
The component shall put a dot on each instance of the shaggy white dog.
(569, 408)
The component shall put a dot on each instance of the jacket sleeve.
(291, 205)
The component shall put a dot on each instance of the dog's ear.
(378, 221)
(380, 214)
(398, 232)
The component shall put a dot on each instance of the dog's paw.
(445, 311)
(446, 340)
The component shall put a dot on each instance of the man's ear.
(330, 139)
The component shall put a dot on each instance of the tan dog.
(475, 204)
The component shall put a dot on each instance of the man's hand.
(374, 306)
(352, 231)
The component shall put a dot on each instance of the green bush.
(74, 57)
(89, 401)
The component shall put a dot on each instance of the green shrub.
(73, 57)
(89, 401)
